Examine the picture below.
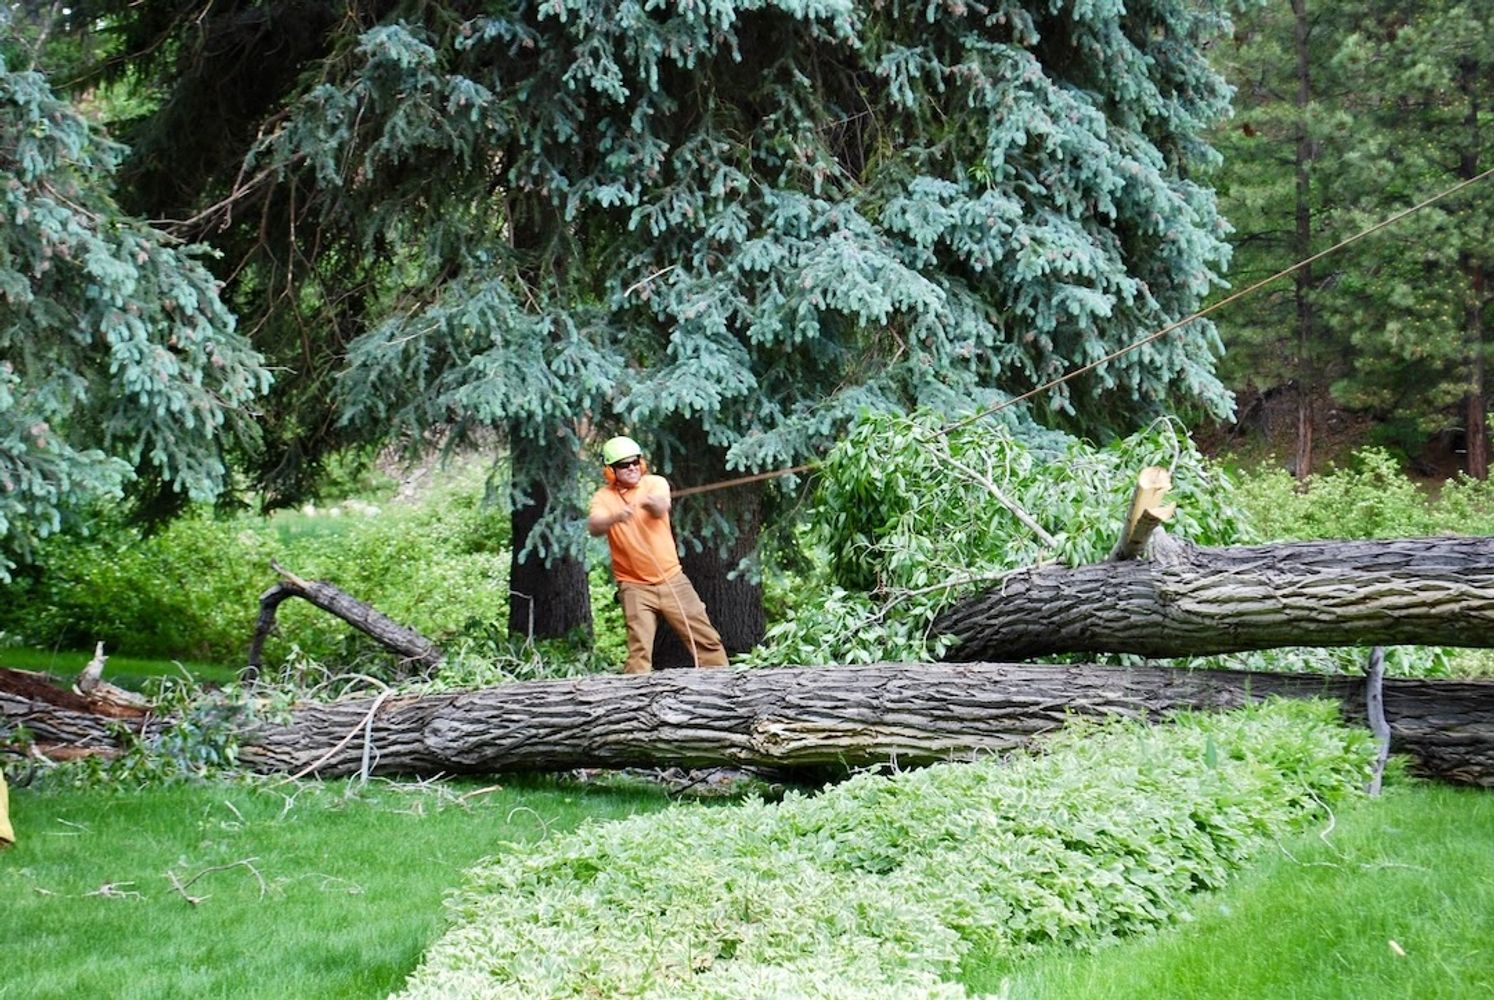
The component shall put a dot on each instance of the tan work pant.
(677, 603)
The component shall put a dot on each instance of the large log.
(1189, 601)
(838, 716)
(62, 723)
(843, 717)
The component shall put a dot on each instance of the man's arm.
(598, 523)
(658, 503)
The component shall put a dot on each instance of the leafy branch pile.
(906, 518)
(880, 886)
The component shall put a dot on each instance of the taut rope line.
(1164, 331)
(1217, 305)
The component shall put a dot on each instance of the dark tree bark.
(1190, 601)
(546, 600)
(1475, 403)
(841, 717)
(735, 605)
(1302, 245)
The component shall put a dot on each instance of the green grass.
(125, 671)
(1317, 920)
(348, 891)
(353, 882)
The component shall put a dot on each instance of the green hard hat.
(618, 448)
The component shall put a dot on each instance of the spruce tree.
(728, 227)
(117, 357)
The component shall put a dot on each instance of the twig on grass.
(478, 791)
(248, 863)
(116, 890)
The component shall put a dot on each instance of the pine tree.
(1283, 152)
(728, 227)
(117, 357)
(1421, 314)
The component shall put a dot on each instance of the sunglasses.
(626, 463)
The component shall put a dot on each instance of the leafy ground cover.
(880, 887)
(304, 891)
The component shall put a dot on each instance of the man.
(632, 510)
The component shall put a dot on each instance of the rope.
(1164, 331)
(1217, 305)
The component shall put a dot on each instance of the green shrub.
(879, 886)
(902, 523)
(192, 589)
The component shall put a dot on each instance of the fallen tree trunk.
(1189, 601)
(839, 716)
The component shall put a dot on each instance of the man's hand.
(597, 525)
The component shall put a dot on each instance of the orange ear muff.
(642, 467)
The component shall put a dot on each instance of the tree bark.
(717, 531)
(735, 605)
(841, 717)
(547, 599)
(1302, 245)
(1191, 601)
(1475, 403)
(405, 642)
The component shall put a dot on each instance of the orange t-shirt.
(643, 545)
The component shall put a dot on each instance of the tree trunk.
(1475, 404)
(1191, 601)
(1302, 246)
(547, 598)
(841, 717)
(734, 605)
(717, 530)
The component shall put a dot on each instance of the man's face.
(628, 471)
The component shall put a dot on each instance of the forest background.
(742, 234)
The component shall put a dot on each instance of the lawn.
(300, 891)
(335, 890)
(125, 671)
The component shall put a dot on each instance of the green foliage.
(1395, 109)
(906, 517)
(1369, 498)
(116, 355)
(193, 588)
(1417, 311)
(878, 887)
